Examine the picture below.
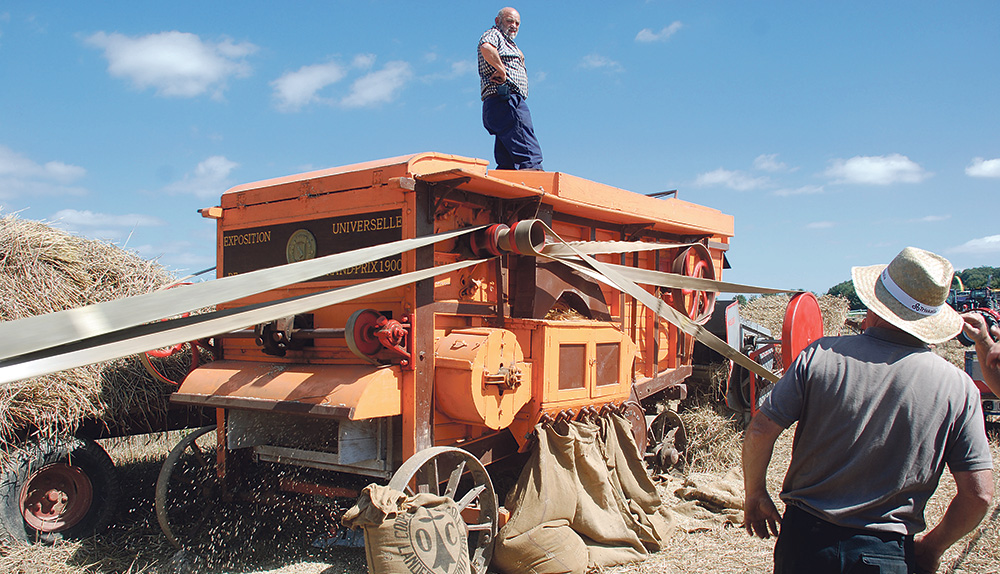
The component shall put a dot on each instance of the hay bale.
(43, 270)
(769, 311)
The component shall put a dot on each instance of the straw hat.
(910, 293)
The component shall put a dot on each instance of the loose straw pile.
(42, 270)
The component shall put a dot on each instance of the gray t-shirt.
(879, 416)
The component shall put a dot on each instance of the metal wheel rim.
(482, 533)
(167, 471)
(56, 497)
(661, 425)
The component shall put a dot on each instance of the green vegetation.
(977, 277)
(846, 289)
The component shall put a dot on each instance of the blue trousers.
(807, 544)
(508, 118)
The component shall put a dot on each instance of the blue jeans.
(508, 118)
(810, 545)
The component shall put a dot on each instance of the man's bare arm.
(966, 510)
(761, 517)
(492, 57)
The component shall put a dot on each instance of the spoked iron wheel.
(191, 507)
(453, 472)
(667, 439)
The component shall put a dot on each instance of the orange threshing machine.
(422, 383)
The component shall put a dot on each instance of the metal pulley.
(526, 237)
(370, 334)
(695, 261)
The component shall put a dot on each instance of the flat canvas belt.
(106, 331)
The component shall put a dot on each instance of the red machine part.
(525, 237)
(163, 353)
(368, 332)
(803, 324)
(56, 497)
(695, 261)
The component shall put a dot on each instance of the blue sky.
(836, 133)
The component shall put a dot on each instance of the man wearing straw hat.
(879, 417)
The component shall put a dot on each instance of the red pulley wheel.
(803, 324)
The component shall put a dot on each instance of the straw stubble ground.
(135, 544)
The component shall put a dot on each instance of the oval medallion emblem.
(301, 246)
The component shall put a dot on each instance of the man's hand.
(975, 328)
(499, 76)
(760, 516)
(492, 57)
(928, 559)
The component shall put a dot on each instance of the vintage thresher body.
(409, 321)
(470, 359)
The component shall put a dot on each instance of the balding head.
(508, 20)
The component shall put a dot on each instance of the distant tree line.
(974, 278)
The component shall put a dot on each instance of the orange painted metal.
(453, 394)
(481, 377)
(355, 392)
(576, 364)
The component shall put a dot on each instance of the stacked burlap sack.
(583, 501)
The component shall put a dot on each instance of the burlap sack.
(580, 504)
(423, 534)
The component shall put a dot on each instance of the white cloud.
(769, 162)
(804, 190)
(648, 35)
(103, 226)
(13, 164)
(20, 176)
(176, 64)
(456, 70)
(876, 170)
(598, 62)
(87, 218)
(737, 180)
(930, 219)
(820, 225)
(297, 89)
(209, 180)
(187, 256)
(363, 61)
(988, 244)
(983, 168)
(378, 87)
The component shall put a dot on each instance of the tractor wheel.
(455, 473)
(64, 488)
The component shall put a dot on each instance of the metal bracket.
(447, 187)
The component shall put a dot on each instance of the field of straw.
(39, 260)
